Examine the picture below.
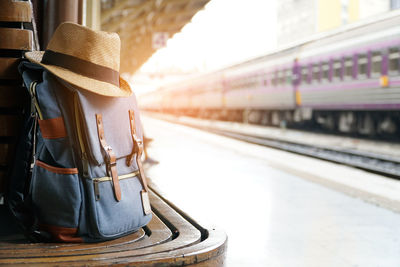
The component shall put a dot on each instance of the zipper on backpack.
(85, 163)
(96, 182)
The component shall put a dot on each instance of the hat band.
(82, 67)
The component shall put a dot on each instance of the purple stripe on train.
(354, 106)
(349, 86)
(352, 86)
(264, 90)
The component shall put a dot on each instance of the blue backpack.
(78, 175)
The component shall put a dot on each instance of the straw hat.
(85, 58)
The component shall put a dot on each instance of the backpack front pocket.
(56, 197)
(110, 218)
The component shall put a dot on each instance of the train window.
(376, 65)
(241, 83)
(337, 69)
(244, 83)
(265, 78)
(289, 76)
(235, 83)
(315, 72)
(281, 77)
(325, 71)
(274, 78)
(362, 65)
(256, 81)
(348, 68)
(304, 74)
(394, 60)
(265, 82)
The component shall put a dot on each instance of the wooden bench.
(172, 238)
(15, 38)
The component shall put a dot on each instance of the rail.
(372, 162)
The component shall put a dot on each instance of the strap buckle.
(138, 150)
(107, 148)
(110, 158)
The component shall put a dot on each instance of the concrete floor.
(272, 216)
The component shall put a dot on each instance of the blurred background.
(304, 96)
(323, 65)
(227, 32)
(281, 119)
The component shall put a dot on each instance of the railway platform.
(377, 189)
(277, 208)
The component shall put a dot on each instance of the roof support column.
(56, 12)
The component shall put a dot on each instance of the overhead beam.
(174, 2)
(136, 21)
(108, 13)
(132, 16)
(170, 27)
(176, 14)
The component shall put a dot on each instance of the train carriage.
(354, 73)
(347, 80)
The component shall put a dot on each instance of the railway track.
(380, 164)
(372, 162)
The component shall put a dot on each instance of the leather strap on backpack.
(138, 150)
(110, 158)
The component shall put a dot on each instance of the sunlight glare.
(225, 32)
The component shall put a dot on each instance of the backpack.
(77, 176)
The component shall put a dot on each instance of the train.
(346, 80)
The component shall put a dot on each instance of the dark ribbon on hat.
(82, 67)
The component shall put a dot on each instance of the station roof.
(137, 20)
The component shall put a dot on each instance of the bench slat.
(29, 250)
(187, 236)
(2, 181)
(169, 237)
(9, 125)
(213, 248)
(10, 96)
(12, 11)
(15, 39)
(5, 153)
(160, 233)
(9, 68)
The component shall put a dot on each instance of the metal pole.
(56, 12)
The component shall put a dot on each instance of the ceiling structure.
(136, 21)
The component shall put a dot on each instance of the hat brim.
(89, 84)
